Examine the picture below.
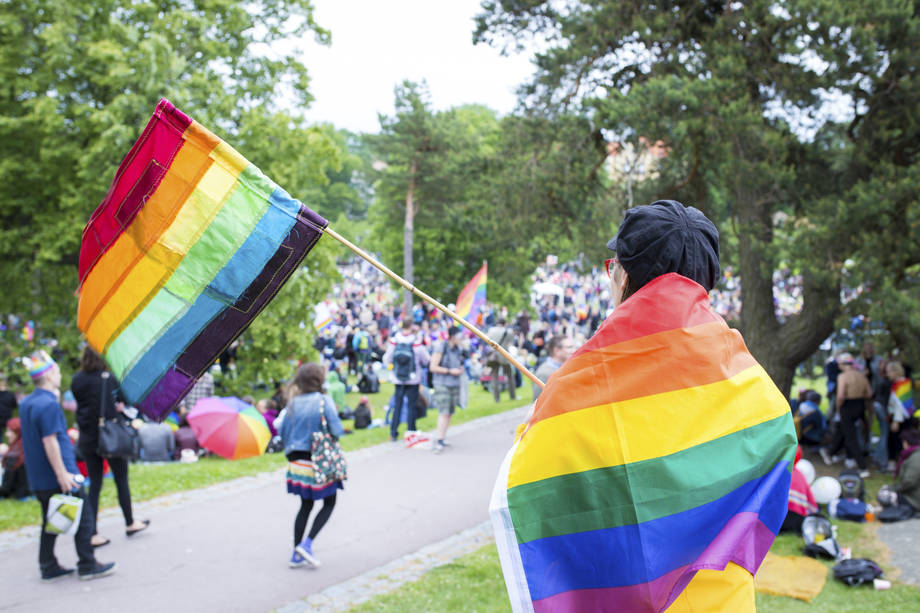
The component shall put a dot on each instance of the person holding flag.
(654, 471)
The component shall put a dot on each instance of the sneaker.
(305, 549)
(848, 463)
(864, 474)
(97, 571)
(438, 447)
(826, 456)
(297, 560)
(53, 575)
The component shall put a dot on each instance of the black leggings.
(119, 468)
(300, 524)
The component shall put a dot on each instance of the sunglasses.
(608, 264)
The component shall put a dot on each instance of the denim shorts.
(446, 399)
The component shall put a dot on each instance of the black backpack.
(362, 416)
(851, 485)
(857, 571)
(403, 361)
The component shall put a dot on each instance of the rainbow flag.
(188, 246)
(473, 296)
(322, 316)
(28, 331)
(172, 420)
(903, 390)
(659, 454)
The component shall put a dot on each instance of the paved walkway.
(903, 538)
(226, 547)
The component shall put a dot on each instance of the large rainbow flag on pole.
(473, 296)
(658, 454)
(188, 246)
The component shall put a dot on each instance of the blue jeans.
(411, 393)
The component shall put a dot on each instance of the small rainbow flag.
(655, 469)
(473, 296)
(28, 331)
(322, 318)
(188, 246)
(172, 420)
(903, 389)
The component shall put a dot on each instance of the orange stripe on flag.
(700, 355)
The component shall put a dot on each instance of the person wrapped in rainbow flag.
(653, 473)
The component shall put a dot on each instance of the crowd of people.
(430, 361)
(865, 393)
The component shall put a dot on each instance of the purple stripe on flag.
(230, 323)
(171, 388)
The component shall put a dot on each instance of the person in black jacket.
(15, 483)
(96, 393)
(7, 402)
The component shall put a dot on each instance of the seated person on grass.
(907, 474)
(801, 500)
(811, 419)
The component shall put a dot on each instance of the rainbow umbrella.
(229, 427)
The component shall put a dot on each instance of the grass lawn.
(474, 583)
(152, 480)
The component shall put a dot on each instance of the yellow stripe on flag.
(644, 428)
(154, 268)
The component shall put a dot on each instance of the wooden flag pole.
(366, 256)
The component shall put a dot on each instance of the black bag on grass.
(851, 484)
(897, 512)
(857, 571)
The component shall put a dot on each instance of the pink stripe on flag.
(137, 177)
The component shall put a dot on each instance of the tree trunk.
(780, 348)
(408, 228)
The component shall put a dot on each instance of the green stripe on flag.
(642, 491)
(221, 239)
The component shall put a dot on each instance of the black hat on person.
(664, 237)
(453, 330)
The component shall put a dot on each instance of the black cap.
(664, 237)
(453, 330)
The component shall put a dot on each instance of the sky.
(376, 44)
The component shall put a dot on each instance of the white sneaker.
(850, 463)
(864, 474)
(826, 456)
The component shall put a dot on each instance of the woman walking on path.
(302, 417)
(95, 392)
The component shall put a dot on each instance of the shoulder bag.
(326, 453)
(117, 439)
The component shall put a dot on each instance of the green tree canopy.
(799, 107)
(481, 189)
(80, 81)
